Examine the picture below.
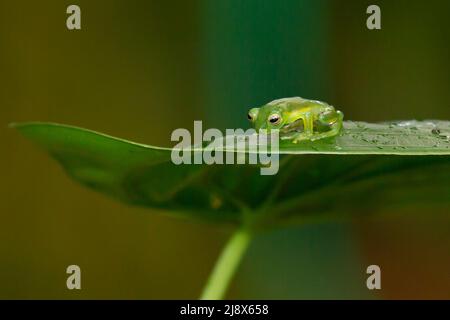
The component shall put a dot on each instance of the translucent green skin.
(298, 119)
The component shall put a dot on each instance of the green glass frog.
(298, 119)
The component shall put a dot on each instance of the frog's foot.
(335, 130)
(302, 137)
(329, 125)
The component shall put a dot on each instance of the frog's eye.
(252, 115)
(274, 119)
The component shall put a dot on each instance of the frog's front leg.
(309, 124)
(308, 129)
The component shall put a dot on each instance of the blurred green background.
(139, 70)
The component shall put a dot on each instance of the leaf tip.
(13, 125)
(17, 125)
(20, 125)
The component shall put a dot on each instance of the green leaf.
(370, 167)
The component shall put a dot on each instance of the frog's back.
(288, 101)
(297, 104)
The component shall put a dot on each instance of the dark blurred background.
(139, 70)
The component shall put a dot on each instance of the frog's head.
(267, 117)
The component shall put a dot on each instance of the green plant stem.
(226, 265)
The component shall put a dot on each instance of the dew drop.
(360, 126)
(436, 131)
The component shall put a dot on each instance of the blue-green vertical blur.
(254, 52)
